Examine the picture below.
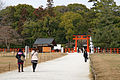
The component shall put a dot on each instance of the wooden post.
(94, 50)
(104, 50)
(3, 50)
(31, 49)
(9, 66)
(88, 44)
(65, 50)
(76, 44)
(117, 50)
(10, 49)
(114, 50)
(69, 50)
(72, 50)
(23, 50)
(110, 50)
(98, 50)
(107, 50)
(101, 50)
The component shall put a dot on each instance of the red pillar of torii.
(79, 38)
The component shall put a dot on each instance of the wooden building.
(44, 44)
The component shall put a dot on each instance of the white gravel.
(70, 67)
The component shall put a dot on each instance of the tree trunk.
(7, 44)
(8, 48)
(69, 43)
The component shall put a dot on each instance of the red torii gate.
(81, 37)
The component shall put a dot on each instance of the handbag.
(33, 61)
(22, 58)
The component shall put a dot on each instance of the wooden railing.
(107, 50)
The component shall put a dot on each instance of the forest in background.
(22, 24)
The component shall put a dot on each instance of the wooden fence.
(96, 50)
(14, 49)
(107, 50)
(69, 50)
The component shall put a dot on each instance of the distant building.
(44, 44)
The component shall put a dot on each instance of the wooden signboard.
(46, 49)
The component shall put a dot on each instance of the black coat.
(85, 54)
(18, 56)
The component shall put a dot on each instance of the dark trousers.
(19, 67)
(34, 66)
(85, 59)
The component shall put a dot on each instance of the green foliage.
(71, 22)
(106, 24)
(77, 7)
(18, 11)
(107, 37)
(61, 9)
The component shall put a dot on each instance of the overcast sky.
(37, 3)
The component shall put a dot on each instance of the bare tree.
(9, 36)
(1, 4)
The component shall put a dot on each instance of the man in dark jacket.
(85, 55)
(19, 56)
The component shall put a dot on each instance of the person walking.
(34, 59)
(21, 57)
(85, 54)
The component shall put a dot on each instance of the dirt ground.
(106, 66)
(8, 61)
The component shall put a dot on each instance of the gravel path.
(70, 67)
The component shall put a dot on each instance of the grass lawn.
(106, 66)
(8, 61)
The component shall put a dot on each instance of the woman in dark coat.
(19, 56)
(85, 55)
